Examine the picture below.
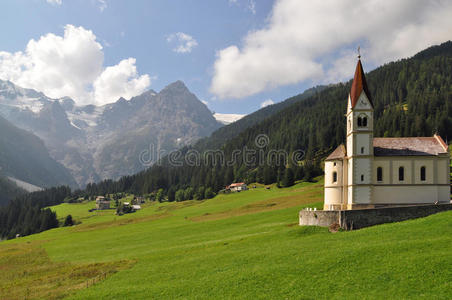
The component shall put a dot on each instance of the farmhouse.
(382, 172)
(102, 203)
(237, 187)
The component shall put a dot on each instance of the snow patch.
(227, 118)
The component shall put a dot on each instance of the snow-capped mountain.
(227, 118)
(99, 142)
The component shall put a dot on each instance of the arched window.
(334, 177)
(364, 121)
(401, 173)
(360, 122)
(379, 174)
(362, 150)
(422, 173)
(362, 177)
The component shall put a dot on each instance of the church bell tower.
(360, 152)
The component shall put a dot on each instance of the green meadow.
(244, 245)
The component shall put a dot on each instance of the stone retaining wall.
(360, 218)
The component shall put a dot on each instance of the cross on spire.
(359, 52)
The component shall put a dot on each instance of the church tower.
(360, 152)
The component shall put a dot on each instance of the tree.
(180, 195)
(209, 193)
(188, 193)
(171, 194)
(199, 195)
(288, 178)
(160, 195)
(68, 221)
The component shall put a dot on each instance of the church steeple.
(359, 85)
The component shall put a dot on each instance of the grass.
(244, 245)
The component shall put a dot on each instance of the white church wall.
(386, 170)
(429, 171)
(415, 194)
(362, 144)
(407, 173)
(443, 170)
(444, 194)
(363, 194)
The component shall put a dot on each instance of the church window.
(379, 174)
(334, 177)
(334, 164)
(422, 173)
(362, 150)
(362, 177)
(362, 120)
(401, 173)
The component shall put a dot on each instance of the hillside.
(107, 142)
(243, 245)
(412, 97)
(25, 157)
(9, 190)
(220, 136)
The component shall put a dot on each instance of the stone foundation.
(360, 218)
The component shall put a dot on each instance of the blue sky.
(240, 53)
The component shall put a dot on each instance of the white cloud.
(317, 40)
(185, 42)
(102, 5)
(267, 103)
(72, 65)
(120, 80)
(55, 2)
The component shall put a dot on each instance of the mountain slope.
(99, 142)
(24, 156)
(412, 97)
(223, 134)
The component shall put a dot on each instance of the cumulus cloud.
(55, 2)
(121, 79)
(185, 42)
(317, 40)
(267, 103)
(72, 65)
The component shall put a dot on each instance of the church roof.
(339, 153)
(359, 84)
(408, 146)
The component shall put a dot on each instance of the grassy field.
(245, 245)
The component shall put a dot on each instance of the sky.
(235, 55)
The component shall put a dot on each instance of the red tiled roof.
(236, 184)
(339, 153)
(359, 84)
(409, 146)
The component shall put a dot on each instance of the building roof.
(339, 153)
(359, 84)
(236, 184)
(408, 146)
(404, 146)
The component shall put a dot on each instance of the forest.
(412, 97)
(27, 214)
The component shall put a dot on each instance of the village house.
(237, 187)
(381, 172)
(102, 203)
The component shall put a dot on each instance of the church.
(382, 172)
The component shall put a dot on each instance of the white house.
(376, 172)
(236, 187)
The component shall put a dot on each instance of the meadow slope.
(244, 245)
